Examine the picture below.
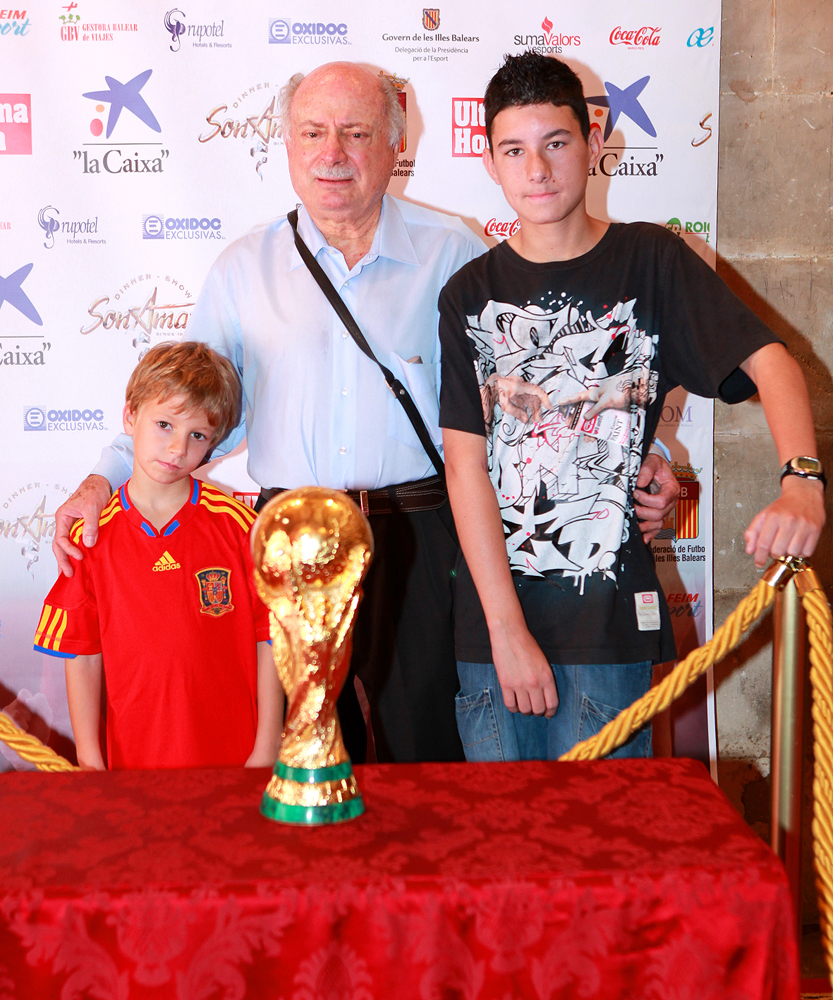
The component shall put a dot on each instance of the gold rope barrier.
(30, 748)
(620, 729)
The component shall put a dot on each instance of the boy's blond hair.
(206, 379)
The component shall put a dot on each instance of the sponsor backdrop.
(136, 140)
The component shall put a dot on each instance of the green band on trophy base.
(336, 812)
(314, 775)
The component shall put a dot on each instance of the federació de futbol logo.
(128, 152)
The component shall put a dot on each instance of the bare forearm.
(83, 676)
(526, 678)
(792, 524)
(270, 707)
(480, 530)
(785, 401)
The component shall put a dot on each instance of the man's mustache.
(335, 172)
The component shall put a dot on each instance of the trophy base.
(312, 796)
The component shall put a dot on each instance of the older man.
(318, 411)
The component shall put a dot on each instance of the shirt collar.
(183, 514)
(391, 239)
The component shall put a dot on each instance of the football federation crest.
(215, 592)
(430, 18)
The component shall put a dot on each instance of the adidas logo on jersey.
(166, 561)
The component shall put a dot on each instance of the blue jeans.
(589, 696)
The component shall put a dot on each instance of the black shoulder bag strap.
(346, 317)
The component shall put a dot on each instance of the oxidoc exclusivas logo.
(160, 227)
(468, 126)
(120, 158)
(38, 418)
(285, 31)
(16, 124)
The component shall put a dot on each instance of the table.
(612, 879)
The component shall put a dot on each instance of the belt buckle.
(365, 506)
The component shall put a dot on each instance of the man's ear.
(596, 144)
(489, 164)
(127, 419)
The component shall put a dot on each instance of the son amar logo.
(159, 311)
(260, 129)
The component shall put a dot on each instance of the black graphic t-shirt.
(564, 367)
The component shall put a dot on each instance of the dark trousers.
(403, 642)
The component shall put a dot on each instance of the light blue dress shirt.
(316, 410)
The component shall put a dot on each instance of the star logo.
(125, 95)
(11, 292)
(624, 102)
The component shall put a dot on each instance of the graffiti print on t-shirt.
(564, 398)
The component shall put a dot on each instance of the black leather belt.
(425, 494)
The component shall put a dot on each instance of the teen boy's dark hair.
(531, 78)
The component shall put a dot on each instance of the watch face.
(806, 464)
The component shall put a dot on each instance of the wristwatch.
(806, 468)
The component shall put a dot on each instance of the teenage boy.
(558, 347)
(166, 598)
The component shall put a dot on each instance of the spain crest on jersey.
(215, 591)
(430, 18)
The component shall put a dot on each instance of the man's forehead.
(342, 91)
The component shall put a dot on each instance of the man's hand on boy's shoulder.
(88, 501)
(790, 525)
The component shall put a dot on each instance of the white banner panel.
(137, 139)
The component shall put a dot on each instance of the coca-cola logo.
(502, 229)
(636, 37)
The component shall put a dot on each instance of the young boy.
(558, 347)
(166, 597)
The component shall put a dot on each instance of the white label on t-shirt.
(647, 610)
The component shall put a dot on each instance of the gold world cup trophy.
(312, 548)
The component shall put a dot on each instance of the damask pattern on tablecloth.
(622, 879)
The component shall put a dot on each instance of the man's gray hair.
(394, 115)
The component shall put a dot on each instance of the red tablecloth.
(622, 879)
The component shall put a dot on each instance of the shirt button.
(342, 450)
(344, 334)
(344, 391)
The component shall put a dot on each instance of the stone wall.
(775, 247)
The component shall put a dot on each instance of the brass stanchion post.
(786, 752)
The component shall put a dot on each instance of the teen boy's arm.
(83, 675)
(525, 675)
(791, 525)
(270, 703)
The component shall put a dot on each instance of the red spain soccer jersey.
(177, 618)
